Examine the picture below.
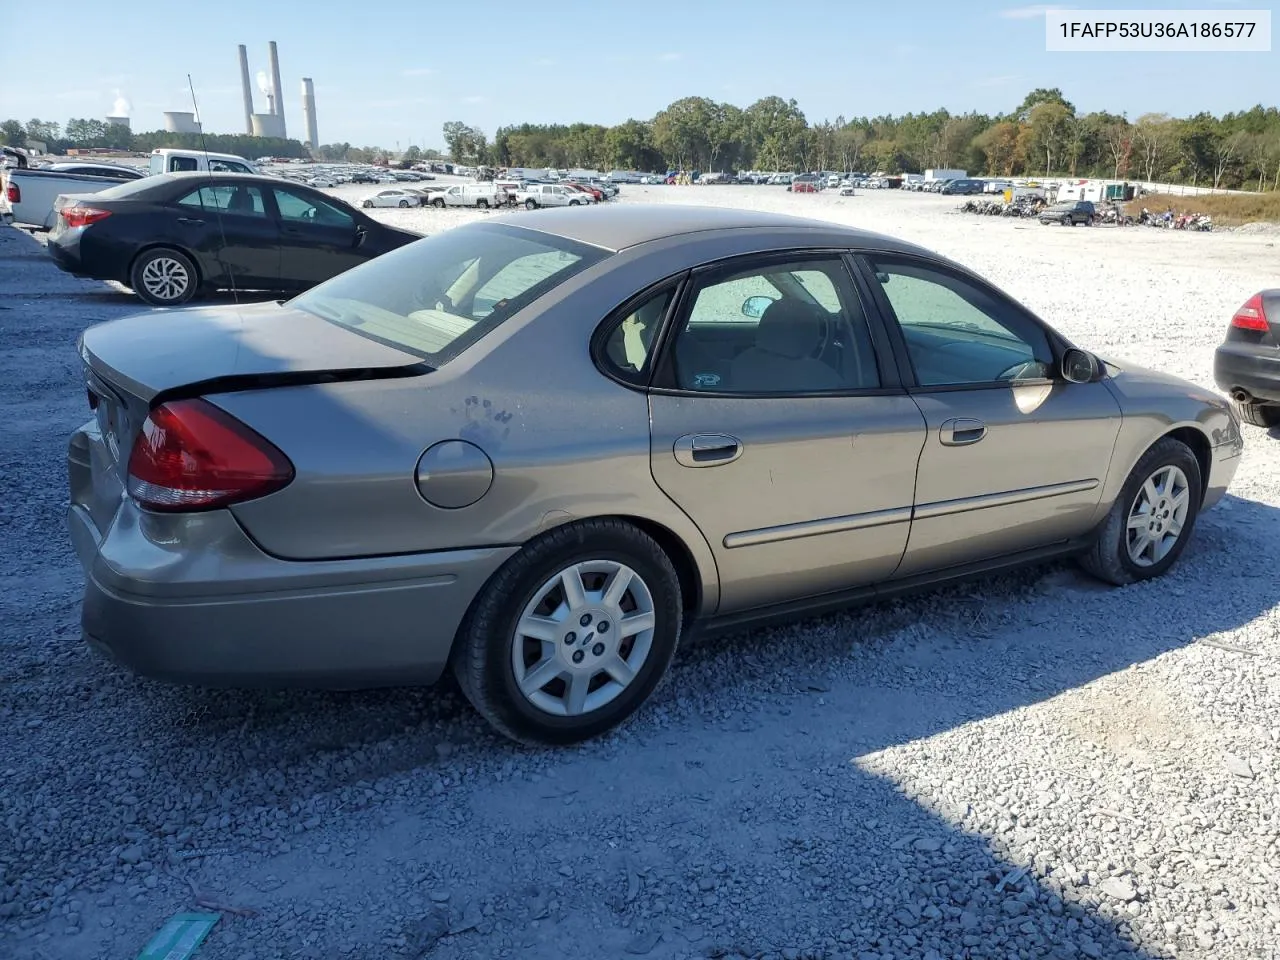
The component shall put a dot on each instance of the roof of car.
(617, 227)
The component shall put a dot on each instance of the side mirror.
(754, 307)
(1080, 366)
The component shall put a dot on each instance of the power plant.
(118, 121)
(271, 123)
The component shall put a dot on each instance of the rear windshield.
(129, 188)
(437, 296)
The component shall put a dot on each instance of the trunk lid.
(1261, 321)
(225, 347)
(132, 363)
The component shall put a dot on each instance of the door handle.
(190, 221)
(707, 450)
(962, 431)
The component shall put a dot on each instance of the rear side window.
(437, 296)
(227, 198)
(628, 347)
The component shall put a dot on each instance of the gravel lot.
(1032, 766)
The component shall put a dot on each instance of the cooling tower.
(118, 121)
(248, 90)
(267, 125)
(309, 111)
(175, 121)
(278, 106)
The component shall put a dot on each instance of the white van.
(169, 160)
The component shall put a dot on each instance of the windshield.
(437, 296)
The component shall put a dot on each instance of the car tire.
(1112, 557)
(482, 204)
(573, 203)
(403, 203)
(164, 277)
(368, 204)
(438, 203)
(490, 649)
(531, 204)
(1258, 414)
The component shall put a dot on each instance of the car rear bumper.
(1254, 369)
(191, 598)
(66, 255)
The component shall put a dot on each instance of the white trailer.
(942, 174)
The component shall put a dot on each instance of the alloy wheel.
(165, 278)
(1158, 514)
(583, 638)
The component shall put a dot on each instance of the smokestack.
(278, 107)
(248, 91)
(309, 111)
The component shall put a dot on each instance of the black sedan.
(1247, 365)
(171, 236)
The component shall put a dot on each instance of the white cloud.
(668, 57)
(1032, 11)
(417, 72)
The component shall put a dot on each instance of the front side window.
(437, 296)
(299, 209)
(780, 328)
(227, 198)
(956, 333)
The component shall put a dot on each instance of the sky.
(392, 73)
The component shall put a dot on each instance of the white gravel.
(1033, 766)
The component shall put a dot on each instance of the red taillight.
(192, 456)
(13, 194)
(1252, 316)
(79, 216)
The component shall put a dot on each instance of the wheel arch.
(1200, 446)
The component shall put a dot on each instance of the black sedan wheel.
(572, 634)
(164, 277)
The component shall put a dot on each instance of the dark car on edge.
(1247, 364)
(172, 236)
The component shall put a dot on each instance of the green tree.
(12, 133)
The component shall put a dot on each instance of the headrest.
(790, 328)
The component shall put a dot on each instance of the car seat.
(782, 361)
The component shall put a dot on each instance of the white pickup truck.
(29, 192)
(550, 195)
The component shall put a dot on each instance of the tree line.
(80, 133)
(1044, 135)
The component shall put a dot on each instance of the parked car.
(545, 451)
(806, 183)
(176, 160)
(480, 195)
(590, 193)
(550, 195)
(175, 235)
(1069, 213)
(963, 188)
(29, 193)
(1247, 364)
(393, 198)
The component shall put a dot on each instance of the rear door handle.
(707, 450)
(190, 221)
(962, 431)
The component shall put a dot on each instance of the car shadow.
(800, 788)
